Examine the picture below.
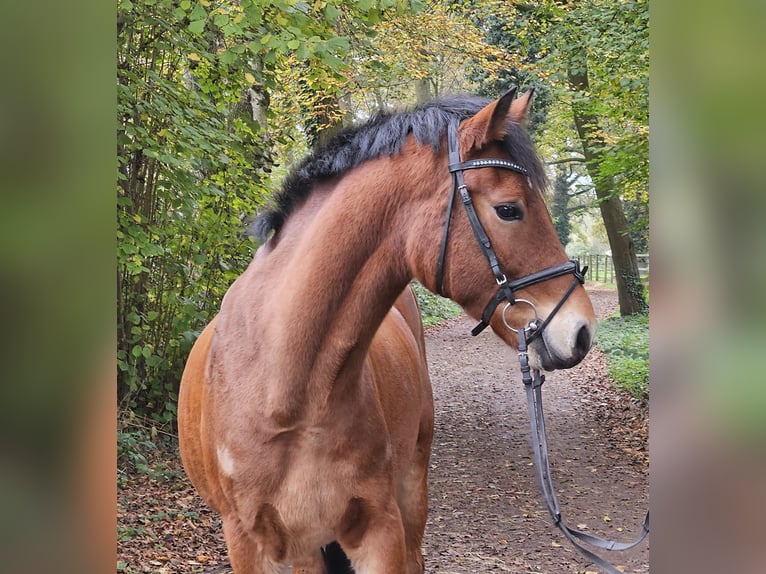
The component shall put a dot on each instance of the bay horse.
(305, 411)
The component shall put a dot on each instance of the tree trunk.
(560, 206)
(629, 288)
(423, 91)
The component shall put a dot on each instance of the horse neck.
(340, 272)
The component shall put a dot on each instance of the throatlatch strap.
(454, 158)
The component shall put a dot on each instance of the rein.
(533, 383)
(532, 378)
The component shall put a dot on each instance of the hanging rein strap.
(533, 382)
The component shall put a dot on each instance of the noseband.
(506, 289)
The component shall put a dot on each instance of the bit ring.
(532, 325)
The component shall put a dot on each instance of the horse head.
(503, 236)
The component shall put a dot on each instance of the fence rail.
(601, 267)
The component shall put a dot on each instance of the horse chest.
(308, 483)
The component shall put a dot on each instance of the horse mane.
(384, 134)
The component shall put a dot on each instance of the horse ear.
(520, 107)
(489, 124)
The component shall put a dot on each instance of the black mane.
(384, 134)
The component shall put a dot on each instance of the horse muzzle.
(562, 345)
(557, 341)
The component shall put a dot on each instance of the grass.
(625, 342)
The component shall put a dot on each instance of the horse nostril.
(582, 343)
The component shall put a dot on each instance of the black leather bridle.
(506, 289)
(532, 378)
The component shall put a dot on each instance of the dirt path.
(486, 512)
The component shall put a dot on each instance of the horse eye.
(508, 211)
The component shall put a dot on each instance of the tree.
(520, 50)
(414, 56)
(628, 279)
(619, 165)
(637, 214)
(195, 80)
(184, 147)
(560, 206)
(595, 55)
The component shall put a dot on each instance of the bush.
(133, 446)
(143, 448)
(434, 308)
(625, 341)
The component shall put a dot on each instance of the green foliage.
(631, 374)
(190, 167)
(132, 446)
(195, 151)
(124, 534)
(140, 448)
(217, 99)
(625, 341)
(608, 42)
(413, 52)
(434, 308)
(514, 30)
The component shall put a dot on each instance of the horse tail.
(336, 560)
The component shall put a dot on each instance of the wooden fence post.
(598, 271)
